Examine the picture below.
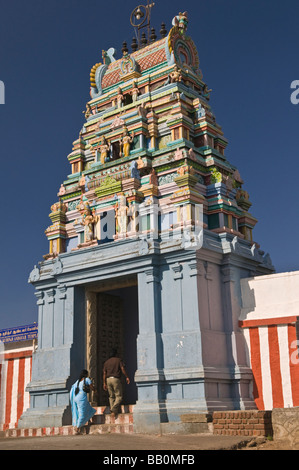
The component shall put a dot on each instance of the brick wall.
(243, 423)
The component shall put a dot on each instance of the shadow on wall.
(247, 298)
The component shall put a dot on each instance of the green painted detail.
(106, 205)
(186, 180)
(56, 236)
(216, 176)
(145, 180)
(71, 195)
(177, 164)
(199, 167)
(109, 186)
(225, 207)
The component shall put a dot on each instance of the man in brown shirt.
(112, 370)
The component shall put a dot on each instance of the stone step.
(121, 418)
(41, 432)
(115, 427)
(103, 410)
(102, 422)
(111, 428)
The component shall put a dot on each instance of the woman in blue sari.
(82, 411)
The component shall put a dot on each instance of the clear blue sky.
(248, 52)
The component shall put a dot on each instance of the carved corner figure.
(181, 20)
(176, 75)
(88, 112)
(206, 92)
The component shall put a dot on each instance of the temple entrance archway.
(112, 321)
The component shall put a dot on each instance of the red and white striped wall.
(273, 354)
(15, 374)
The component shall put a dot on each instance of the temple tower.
(149, 240)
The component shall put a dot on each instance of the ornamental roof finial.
(141, 18)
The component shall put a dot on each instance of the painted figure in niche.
(120, 98)
(125, 142)
(104, 149)
(121, 215)
(133, 219)
(89, 220)
(134, 92)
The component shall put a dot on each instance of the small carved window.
(115, 151)
(76, 167)
(128, 99)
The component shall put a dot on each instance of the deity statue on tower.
(104, 149)
(89, 221)
(120, 98)
(134, 92)
(121, 216)
(126, 141)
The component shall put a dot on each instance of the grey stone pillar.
(59, 358)
(149, 375)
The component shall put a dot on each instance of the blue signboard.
(19, 333)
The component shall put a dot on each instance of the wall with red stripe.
(269, 322)
(15, 374)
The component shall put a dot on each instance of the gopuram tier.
(150, 137)
(150, 236)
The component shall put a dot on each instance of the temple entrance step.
(105, 410)
(102, 422)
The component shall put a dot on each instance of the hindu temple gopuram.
(149, 239)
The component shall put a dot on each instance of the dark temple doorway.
(112, 322)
